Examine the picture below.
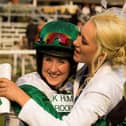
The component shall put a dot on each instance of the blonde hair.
(111, 39)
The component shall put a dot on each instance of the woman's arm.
(11, 91)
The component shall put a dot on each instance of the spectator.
(39, 27)
(31, 31)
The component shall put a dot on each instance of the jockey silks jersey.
(61, 101)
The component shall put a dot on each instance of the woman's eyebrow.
(83, 37)
(79, 33)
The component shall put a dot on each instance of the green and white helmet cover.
(56, 38)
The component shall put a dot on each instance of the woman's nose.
(76, 42)
(54, 67)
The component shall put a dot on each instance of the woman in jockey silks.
(52, 85)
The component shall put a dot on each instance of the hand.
(11, 91)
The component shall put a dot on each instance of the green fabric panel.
(40, 98)
(61, 27)
(0, 102)
(123, 123)
(100, 122)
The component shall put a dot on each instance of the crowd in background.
(81, 14)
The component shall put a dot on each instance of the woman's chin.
(75, 59)
(53, 83)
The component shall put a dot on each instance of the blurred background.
(21, 21)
